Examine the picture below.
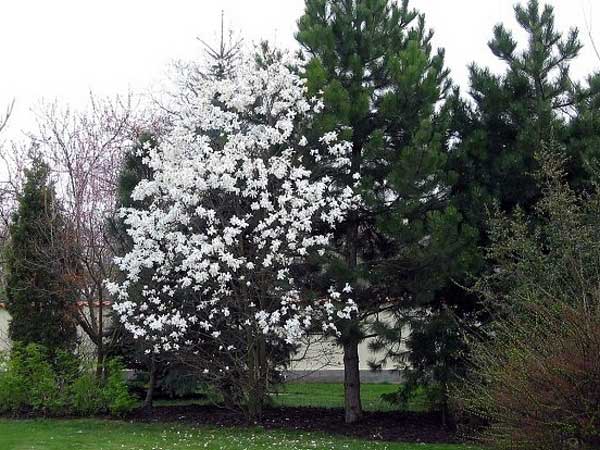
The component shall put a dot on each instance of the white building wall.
(4, 318)
(318, 359)
(321, 359)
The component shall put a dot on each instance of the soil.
(384, 426)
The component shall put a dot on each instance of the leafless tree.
(589, 29)
(11, 171)
(7, 114)
(12, 165)
(85, 150)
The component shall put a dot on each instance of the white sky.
(61, 49)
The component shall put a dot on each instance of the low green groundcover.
(116, 435)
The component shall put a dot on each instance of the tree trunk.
(100, 362)
(100, 350)
(149, 400)
(352, 403)
(257, 383)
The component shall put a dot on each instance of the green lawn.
(115, 435)
(331, 395)
(325, 395)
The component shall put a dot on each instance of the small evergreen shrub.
(41, 381)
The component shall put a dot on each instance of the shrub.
(119, 400)
(538, 381)
(31, 383)
(87, 396)
(43, 390)
(13, 392)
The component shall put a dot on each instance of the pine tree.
(514, 112)
(39, 296)
(583, 139)
(511, 116)
(381, 82)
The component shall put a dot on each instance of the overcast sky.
(61, 49)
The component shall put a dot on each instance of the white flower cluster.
(232, 210)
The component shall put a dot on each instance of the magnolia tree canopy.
(232, 212)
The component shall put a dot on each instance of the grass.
(327, 395)
(331, 395)
(114, 435)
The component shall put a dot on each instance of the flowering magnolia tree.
(233, 212)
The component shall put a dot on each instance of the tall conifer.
(39, 295)
(383, 85)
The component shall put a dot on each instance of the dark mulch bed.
(385, 426)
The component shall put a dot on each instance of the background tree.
(8, 190)
(13, 174)
(6, 116)
(218, 64)
(133, 171)
(221, 60)
(584, 136)
(39, 295)
(383, 84)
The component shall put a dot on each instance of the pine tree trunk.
(352, 403)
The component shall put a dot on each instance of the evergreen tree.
(511, 116)
(533, 372)
(39, 296)
(218, 62)
(382, 83)
(583, 139)
(222, 58)
(133, 171)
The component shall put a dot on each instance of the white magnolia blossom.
(232, 209)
